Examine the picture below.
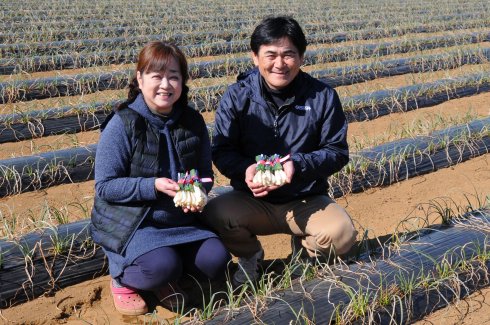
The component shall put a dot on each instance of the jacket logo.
(303, 108)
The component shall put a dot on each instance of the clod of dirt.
(95, 294)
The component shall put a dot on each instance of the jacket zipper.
(277, 114)
(276, 129)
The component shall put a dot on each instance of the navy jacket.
(313, 128)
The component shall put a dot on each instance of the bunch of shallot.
(191, 193)
(269, 170)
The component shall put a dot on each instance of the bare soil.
(379, 211)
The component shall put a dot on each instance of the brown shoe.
(171, 296)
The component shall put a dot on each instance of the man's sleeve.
(333, 150)
(205, 165)
(226, 148)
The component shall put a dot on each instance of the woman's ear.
(139, 77)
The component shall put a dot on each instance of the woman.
(148, 140)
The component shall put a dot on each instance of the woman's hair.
(155, 57)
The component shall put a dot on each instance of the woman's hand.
(191, 209)
(167, 186)
(258, 190)
(195, 208)
(171, 187)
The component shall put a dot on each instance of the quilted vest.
(114, 223)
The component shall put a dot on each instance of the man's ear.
(255, 57)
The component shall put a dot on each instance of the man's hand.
(259, 190)
(288, 168)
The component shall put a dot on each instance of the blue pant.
(202, 259)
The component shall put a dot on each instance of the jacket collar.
(287, 94)
(251, 80)
(160, 122)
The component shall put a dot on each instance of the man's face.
(279, 62)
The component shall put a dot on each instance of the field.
(413, 77)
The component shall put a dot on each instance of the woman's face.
(161, 89)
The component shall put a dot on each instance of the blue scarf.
(163, 124)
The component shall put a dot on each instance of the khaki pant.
(238, 218)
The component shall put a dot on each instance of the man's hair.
(272, 29)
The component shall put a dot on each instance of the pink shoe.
(171, 296)
(128, 302)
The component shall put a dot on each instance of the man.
(278, 109)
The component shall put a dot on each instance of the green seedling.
(359, 302)
(407, 283)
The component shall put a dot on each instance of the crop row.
(239, 29)
(372, 105)
(208, 11)
(428, 270)
(335, 24)
(14, 13)
(399, 160)
(48, 258)
(348, 75)
(203, 40)
(88, 53)
(105, 26)
(208, 14)
(13, 91)
(73, 119)
(25, 261)
(122, 6)
(23, 174)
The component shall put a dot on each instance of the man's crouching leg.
(237, 218)
(325, 227)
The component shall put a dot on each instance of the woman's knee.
(153, 269)
(212, 258)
